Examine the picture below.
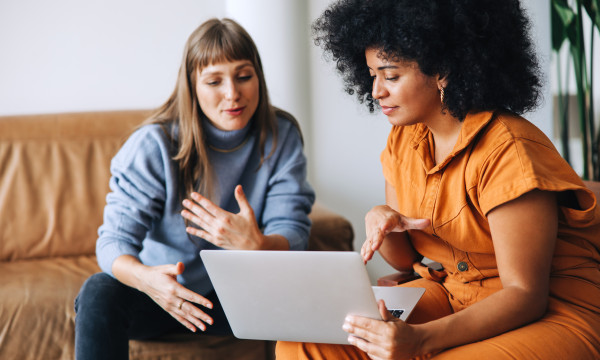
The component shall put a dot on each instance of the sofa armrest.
(330, 231)
(400, 277)
(397, 278)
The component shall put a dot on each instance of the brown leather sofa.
(54, 172)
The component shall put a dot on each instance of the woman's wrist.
(424, 336)
(129, 270)
(273, 242)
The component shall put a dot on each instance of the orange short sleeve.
(388, 156)
(519, 165)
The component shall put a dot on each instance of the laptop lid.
(296, 295)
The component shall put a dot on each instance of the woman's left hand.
(222, 228)
(389, 338)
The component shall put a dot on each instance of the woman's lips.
(387, 110)
(235, 111)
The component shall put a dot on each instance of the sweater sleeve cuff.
(295, 240)
(108, 252)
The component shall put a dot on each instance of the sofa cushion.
(36, 311)
(198, 347)
(55, 172)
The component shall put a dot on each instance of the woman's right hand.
(389, 338)
(382, 220)
(160, 283)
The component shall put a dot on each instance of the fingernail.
(346, 327)
(186, 202)
(351, 340)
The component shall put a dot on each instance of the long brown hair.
(215, 41)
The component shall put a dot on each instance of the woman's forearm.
(128, 269)
(502, 311)
(397, 251)
(274, 242)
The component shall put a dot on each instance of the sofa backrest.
(54, 173)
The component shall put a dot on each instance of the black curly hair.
(482, 46)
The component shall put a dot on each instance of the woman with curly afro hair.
(470, 184)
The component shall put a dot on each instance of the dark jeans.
(110, 313)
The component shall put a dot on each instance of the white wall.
(73, 55)
(347, 141)
(539, 12)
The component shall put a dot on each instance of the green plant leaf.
(592, 7)
(563, 18)
(568, 25)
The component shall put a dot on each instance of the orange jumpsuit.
(498, 157)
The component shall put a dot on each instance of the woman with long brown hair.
(216, 167)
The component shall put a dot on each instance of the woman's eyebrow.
(244, 65)
(219, 72)
(387, 67)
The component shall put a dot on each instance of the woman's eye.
(392, 78)
(212, 83)
(244, 78)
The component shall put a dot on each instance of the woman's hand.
(222, 228)
(387, 339)
(160, 283)
(380, 221)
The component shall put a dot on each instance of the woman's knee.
(286, 350)
(305, 351)
(434, 303)
(99, 292)
(543, 339)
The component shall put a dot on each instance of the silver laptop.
(298, 295)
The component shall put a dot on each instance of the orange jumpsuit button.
(462, 266)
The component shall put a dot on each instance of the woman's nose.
(379, 90)
(231, 91)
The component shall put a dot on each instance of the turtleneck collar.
(224, 140)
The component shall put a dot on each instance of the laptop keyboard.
(396, 312)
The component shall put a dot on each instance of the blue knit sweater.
(142, 215)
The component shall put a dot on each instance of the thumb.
(180, 267)
(413, 224)
(383, 311)
(174, 270)
(240, 196)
